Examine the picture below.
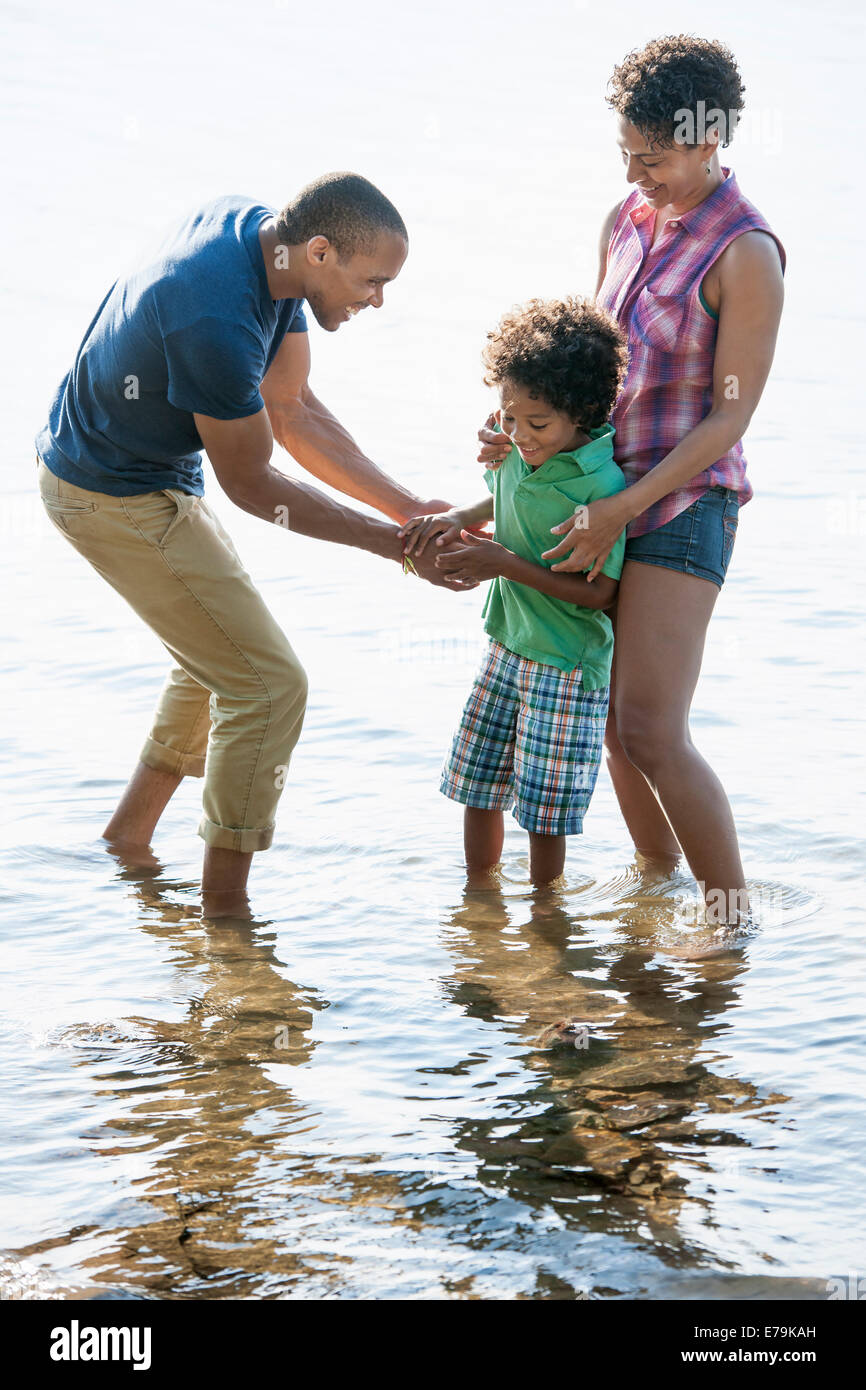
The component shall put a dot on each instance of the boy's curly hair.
(566, 351)
(671, 75)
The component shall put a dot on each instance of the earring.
(709, 171)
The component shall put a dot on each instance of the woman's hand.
(497, 446)
(590, 535)
(478, 558)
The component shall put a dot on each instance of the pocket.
(64, 512)
(670, 323)
(157, 515)
(67, 506)
(183, 503)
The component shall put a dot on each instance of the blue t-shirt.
(194, 329)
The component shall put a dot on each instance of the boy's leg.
(546, 857)
(483, 838)
(479, 769)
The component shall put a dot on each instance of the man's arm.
(318, 442)
(240, 452)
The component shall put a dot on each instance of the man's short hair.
(346, 208)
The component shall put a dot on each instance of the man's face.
(537, 430)
(337, 290)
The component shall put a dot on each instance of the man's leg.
(173, 562)
(223, 882)
(146, 797)
(175, 748)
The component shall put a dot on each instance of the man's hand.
(591, 535)
(421, 529)
(497, 446)
(478, 558)
(428, 508)
(426, 568)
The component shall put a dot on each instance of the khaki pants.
(232, 706)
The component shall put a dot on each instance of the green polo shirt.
(527, 502)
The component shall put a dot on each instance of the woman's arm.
(485, 559)
(751, 294)
(607, 227)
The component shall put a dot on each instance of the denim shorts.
(699, 541)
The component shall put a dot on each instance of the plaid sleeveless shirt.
(655, 294)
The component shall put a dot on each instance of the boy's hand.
(497, 446)
(418, 530)
(426, 568)
(479, 558)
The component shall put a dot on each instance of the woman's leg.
(662, 617)
(546, 857)
(646, 821)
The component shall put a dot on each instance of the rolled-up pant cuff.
(230, 837)
(164, 759)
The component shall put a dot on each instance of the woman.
(693, 274)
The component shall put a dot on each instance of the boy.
(532, 728)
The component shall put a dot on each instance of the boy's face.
(534, 427)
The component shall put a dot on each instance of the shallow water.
(361, 1094)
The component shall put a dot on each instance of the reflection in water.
(213, 1102)
(624, 1103)
(579, 1129)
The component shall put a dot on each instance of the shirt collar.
(695, 220)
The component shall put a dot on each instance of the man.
(206, 346)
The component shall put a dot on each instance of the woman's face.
(666, 175)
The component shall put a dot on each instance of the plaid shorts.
(529, 735)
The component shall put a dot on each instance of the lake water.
(354, 1095)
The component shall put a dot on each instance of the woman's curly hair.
(568, 352)
(654, 85)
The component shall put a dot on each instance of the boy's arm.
(480, 558)
(599, 594)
